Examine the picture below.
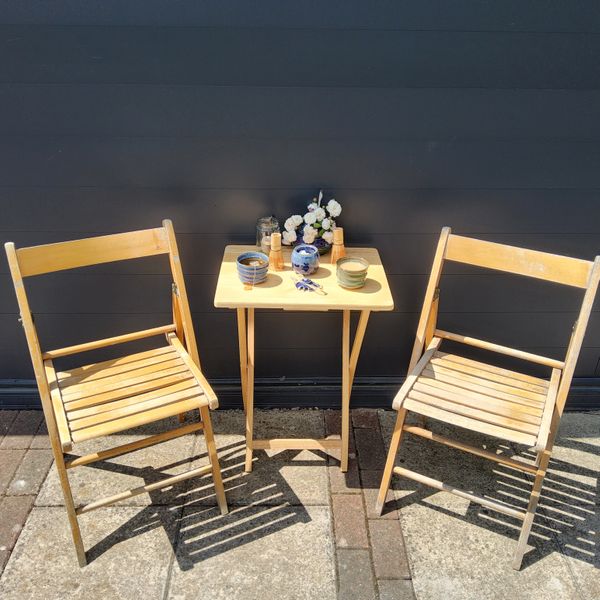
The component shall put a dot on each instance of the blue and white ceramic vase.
(305, 259)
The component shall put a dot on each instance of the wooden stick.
(132, 446)
(339, 250)
(359, 336)
(434, 437)
(243, 343)
(250, 392)
(150, 487)
(111, 341)
(440, 485)
(275, 255)
(345, 390)
(297, 444)
(536, 358)
(214, 460)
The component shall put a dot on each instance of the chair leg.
(391, 458)
(543, 460)
(70, 506)
(214, 460)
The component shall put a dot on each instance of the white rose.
(320, 213)
(296, 220)
(334, 208)
(310, 218)
(313, 205)
(328, 236)
(309, 234)
(289, 225)
(289, 237)
(326, 223)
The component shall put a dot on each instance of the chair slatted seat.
(482, 397)
(99, 399)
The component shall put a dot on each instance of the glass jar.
(265, 226)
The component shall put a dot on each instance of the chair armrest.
(213, 401)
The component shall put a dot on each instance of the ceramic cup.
(351, 272)
(305, 259)
(252, 267)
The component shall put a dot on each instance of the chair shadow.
(567, 514)
(189, 514)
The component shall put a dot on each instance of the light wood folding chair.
(99, 399)
(485, 398)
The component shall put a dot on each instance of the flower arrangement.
(315, 227)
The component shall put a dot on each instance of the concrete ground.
(297, 527)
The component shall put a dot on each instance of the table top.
(279, 291)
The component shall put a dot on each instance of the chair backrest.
(48, 258)
(563, 270)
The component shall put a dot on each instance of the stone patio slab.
(455, 554)
(127, 471)
(255, 553)
(130, 551)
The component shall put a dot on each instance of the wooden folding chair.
(99, 399)
(481, 397)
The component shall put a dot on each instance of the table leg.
(349, 362)
(243, 344)
(250, 391)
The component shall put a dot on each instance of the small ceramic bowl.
(351, 272)
(305, 259)
(252, 267)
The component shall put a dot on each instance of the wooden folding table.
(279, 292)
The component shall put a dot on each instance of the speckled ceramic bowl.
(252, 267)
(351, 272)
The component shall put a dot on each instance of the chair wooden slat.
(143, 418)
(520, 261)
(116, 411)
(137, 385)
(492, 368)
(37, 260)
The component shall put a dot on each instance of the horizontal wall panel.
(543, 216)
(298, 57)
(201, 254)
(279, 112)
(509, 15)
(67, 161)
(118, 293)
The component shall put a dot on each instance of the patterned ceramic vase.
(305, 259)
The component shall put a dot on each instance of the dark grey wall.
(483, 116)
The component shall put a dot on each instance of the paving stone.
(14, 513)
(349, 521)
(389, 554)
(147, 465)
(30, 474)
(457, 551)
(254, 553)
(365, 418)
(370, 450)
(129, 553)
(395, 589)
(291, 476)
(370, 482)
(22, 429)
(355, 573)
(41, 439)
(344, 483)
(6, 419)
(9, 462)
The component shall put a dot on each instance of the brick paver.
(14, 511)
(9, 463)
(22, 430)
(349, 521)
(370, 449)
(387, 546)
(395, 589)
(6, 419)
(356, 581)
